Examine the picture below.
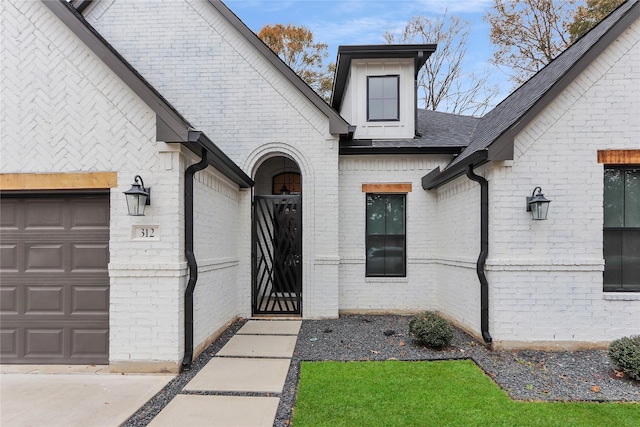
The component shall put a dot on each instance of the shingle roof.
(445, 129)
(500, 125)
(441, 133)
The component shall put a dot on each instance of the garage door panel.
(89, 342)
(48, 257)
(9, 214)
(9, 257)
(44, 213)
(55, 282)
(9, 299)
(90, 299)
(89, 256)
(44, 300)
(9, 342)
(89, 213)
(47, 342)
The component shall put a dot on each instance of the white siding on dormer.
(354, 106)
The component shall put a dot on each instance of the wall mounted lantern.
(538, 205)
(137, 197)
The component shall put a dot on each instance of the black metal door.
(277, 255)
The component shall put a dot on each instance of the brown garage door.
(54, 301)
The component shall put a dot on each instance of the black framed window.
(386, 235)
(383, 98)
(621, 231)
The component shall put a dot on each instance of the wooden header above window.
(619, 157)
(401, 187)
(58, 181)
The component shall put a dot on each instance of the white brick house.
(91, 99)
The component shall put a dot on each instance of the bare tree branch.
(528, 34)
(443, 85)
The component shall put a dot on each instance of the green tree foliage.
(295, 46)
(586, 17)
(443, 85)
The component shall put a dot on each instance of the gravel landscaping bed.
(524, 375)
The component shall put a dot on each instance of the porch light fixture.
(137, 197)
(538, 205)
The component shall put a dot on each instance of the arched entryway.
(277, 238)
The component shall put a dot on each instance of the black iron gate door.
(277, 255)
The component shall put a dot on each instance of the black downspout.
(484, 252)
(191, 259)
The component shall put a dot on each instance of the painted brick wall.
(216, 206)
(546, 276)
(418, 290)
(458, 234)
(225, 88)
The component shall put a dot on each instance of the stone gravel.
(524, 375)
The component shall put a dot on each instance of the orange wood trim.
(619, 157)
(57, 181)
(402, 187)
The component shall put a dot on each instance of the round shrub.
(431, 330)
(625, 354)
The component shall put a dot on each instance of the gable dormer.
(375, 88)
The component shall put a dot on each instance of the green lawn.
(447, 393)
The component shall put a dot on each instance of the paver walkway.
(256, 360)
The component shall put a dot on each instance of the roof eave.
(436, 177)
(418, 52)
(220, 160)
(347, 150)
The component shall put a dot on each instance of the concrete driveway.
(69, 396)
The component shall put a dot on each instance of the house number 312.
(145, 232)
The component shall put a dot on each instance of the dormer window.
(383, 99)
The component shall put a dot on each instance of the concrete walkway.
(256, 360)
(69, 396)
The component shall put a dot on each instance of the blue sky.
(349, 22)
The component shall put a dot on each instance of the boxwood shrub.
(625, 354)
(431, 330)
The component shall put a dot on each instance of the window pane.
(630, 260)
(394, 256)
(375, 255)
(376, 207)
(385, 240)
(395, 214)
(612, 260)
(376, 107)
(390, 87)
(376, 87)
(383, 98)
(390, 109)
(632, 198)
(613, 198)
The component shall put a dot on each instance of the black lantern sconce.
(137, 197)
(538, 205)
